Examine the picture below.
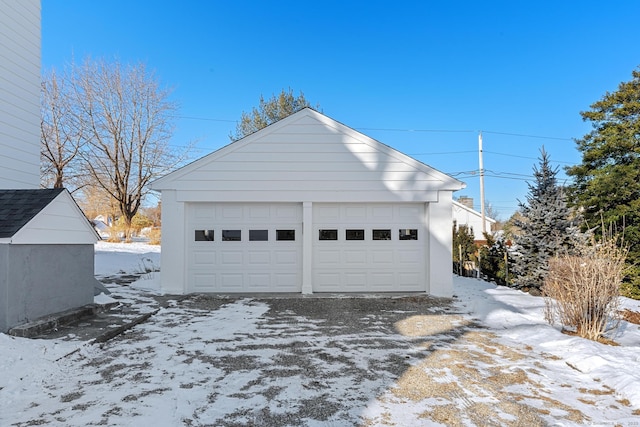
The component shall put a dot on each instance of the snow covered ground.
(163, 372)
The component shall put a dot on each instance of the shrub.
(582, 291)
(155, 236)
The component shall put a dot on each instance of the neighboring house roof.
(43, 216)
(18, 207)
(464, 215)
(336, 163)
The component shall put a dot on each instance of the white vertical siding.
(440, 241)
(20, 94)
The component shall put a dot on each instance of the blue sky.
(423, 77)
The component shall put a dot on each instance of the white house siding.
(464, 215)
(307, 159)
(19, 94)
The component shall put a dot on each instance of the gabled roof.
(43, 216)
(307, 155)
(473, 212)
(18, 207)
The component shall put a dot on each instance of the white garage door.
(369, 247)
(244, 247)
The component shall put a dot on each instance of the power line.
(528, 136)
(416, 130)
(442, 152)
(526, 157)
(206, 119)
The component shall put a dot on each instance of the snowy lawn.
(487, 359)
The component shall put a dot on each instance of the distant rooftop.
(18, 207)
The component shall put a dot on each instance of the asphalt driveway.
(326, 361)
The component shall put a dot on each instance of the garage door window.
(408, 234)
(285, 234)
(204, 236)
(258, 235)
(328, 235)
(354, 234)
(231, 235)
(381, 234)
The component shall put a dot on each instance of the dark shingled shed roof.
(18, 207)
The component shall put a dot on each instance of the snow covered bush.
(582, 291)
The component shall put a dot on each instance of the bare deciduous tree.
(61, 137)
(125, 117)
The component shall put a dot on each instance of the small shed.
(46, 255)
(307, 205)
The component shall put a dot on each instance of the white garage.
(306, 205)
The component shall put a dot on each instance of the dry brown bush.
(582, 292)
(155, 236)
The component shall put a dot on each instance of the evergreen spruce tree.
(607, 181)
(548, 227)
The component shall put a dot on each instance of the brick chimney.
(467, 201)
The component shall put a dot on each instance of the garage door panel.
(385, 264)
(204, 258)
(355, 281)
(382, 257)
(286, 282)
(358, 257)
(251, 264)
(286, 257)
(287, 213)
(204, 282)
(356, 213)
(259, 258)
(381, 280)
(411, 256)
(231, 213)
(231, 282)
(231, 258)
(259, 213)
(382, 213)
(259, 281)
(409, 280)
(327, 281)
(327, 258)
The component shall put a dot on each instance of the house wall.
(59, 282)
(470, 218)
(19, 94)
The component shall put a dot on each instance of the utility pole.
(484, 222)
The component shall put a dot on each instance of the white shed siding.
(60, 222)
(19, 94)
